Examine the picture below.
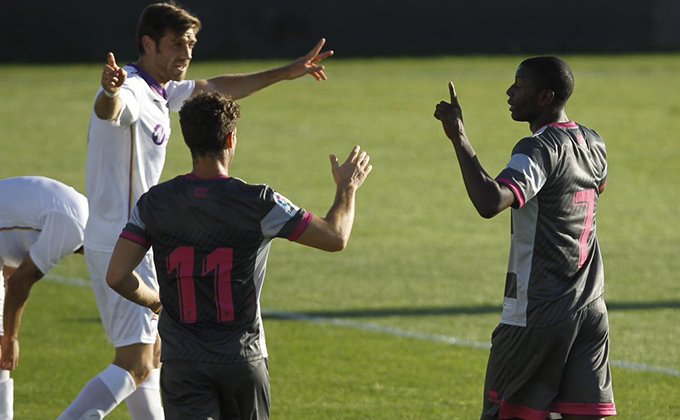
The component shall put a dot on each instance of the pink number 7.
(585, 198)
(220, 261)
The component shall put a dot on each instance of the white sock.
(145, 402)
(101, 395)
(6, 396)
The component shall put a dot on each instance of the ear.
(149, 44)
(546, 97)
(229, 139)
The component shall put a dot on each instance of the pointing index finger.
(111, 60)
(452, 92)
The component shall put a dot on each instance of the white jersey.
(125, 156)
(39, 217)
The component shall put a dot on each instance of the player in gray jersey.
(211, 234)
(550, 352)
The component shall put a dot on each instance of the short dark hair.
(550, 72)
(206, 119)
(157, 18)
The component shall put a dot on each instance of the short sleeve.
(283, 219)
(178, 92)
(130, 111)
(61, 234)
(135, 229)
(527, 171)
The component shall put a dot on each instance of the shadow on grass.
(462, 310)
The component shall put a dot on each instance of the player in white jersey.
(129, 130)
(41, 221)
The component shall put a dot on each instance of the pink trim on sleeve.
(515, 190)
(136, 238)
(301, 226)
(585, 409)
(601, 187)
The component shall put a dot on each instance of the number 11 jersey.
(211, 238)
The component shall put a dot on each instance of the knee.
(139, 361)
(139, 370)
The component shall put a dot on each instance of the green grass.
(420, 258)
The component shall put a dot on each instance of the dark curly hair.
(550, 72)
(157, 18)
(206, 119)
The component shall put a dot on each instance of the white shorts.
(125, 322)
(59, 236)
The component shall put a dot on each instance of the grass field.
(359, 334)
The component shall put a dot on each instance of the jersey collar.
(197, 178)
(153, 84)
(568, 124)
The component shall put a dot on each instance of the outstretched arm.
(108, 107)
(488, 196)
(241, 85)
(18, 288)
(331, 233)
(122, 278)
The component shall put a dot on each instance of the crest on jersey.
(285, 204)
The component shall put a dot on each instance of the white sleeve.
(61, 235)
(130, 112)
(178, 92)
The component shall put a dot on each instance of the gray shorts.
(563, 368)
(212, 391)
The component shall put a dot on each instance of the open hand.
(308, 64)
(451, 115)
(353, 171)
(112, 75)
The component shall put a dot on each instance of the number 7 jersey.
(555, 266)
(211, 238)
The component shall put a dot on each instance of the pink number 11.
(220, 261)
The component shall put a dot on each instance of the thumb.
(334, 162)
(111, 60)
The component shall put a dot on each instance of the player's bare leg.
(6, 383)
(145, 402)
(137, 359)
(132, 366)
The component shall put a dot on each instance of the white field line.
(366, 326)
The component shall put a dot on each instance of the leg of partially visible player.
(132, 330)
(6, 383)
(126, 376)
(145, 402)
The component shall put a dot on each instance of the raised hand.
(353, 171)
(451, 115)
(308, 64)
(112, 75)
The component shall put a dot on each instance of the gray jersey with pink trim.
(555, 266)
(210, 239)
